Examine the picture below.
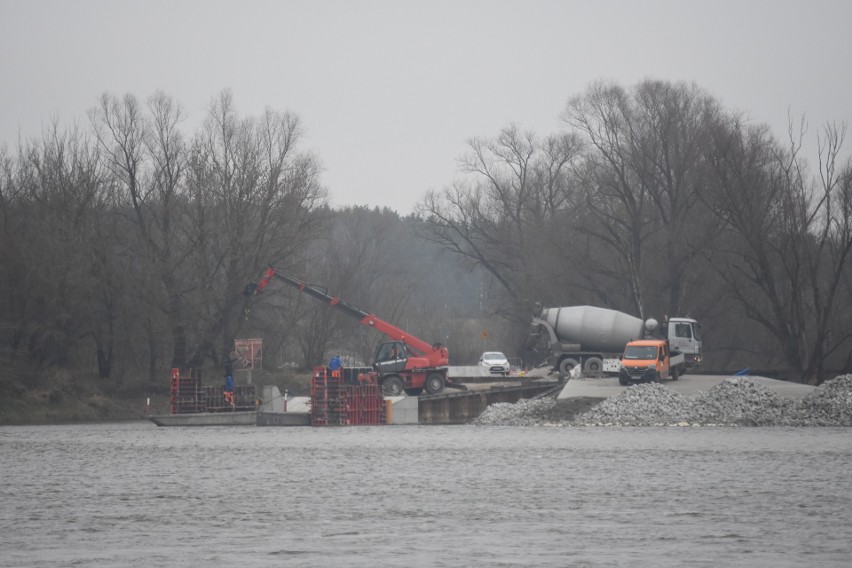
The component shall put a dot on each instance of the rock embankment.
(737, 401)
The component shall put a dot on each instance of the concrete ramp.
(277, 410)
(462, 407)
(299, 404)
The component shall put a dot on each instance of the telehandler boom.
(406, 363)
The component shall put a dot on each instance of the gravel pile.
(737, 401)
(829, 405)
(525, 412)
(649, 404)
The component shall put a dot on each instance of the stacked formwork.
(186, 395)
(355, 375)
(189, 396)
(245, 398)
(337, 400)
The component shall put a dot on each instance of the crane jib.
(320, 295)
(436, 353)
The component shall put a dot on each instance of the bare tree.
(791, 235)
(254, 196)
(676, 121)
(59, 196)
(145, 156)
(616, 196)
(208, 215)
(515, 185)
(643, 174)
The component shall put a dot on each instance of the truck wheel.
(392, 386)
(434, 383)
(566, 365)
(675, 374)
(593, 365)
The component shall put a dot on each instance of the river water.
(133, 494)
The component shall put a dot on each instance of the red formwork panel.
(336, 403)
(365, 405)
(185, 393)
(325, 397)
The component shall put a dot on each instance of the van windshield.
(642, 352)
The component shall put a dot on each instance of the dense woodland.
(127, 242)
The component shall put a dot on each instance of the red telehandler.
(407, 363)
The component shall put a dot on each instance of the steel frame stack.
(185, 392)
(245, 398)
(336, 403)
(188, 396)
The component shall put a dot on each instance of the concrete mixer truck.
(594, 338)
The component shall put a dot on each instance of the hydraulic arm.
(436, 355)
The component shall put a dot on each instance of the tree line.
(128, 243)
(657, 201)
(128, 246)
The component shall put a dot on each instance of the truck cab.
(648, 361)
(684, 335)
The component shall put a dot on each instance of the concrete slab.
(272, 399)
(403, 410)
(299, 404)
(688, 385)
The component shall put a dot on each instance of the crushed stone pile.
(522, 413)
(830, 404)
(737, 401)
(650, 404)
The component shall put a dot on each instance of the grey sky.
(389, 91)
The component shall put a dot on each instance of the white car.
(496, 362)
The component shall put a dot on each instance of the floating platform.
(238, 418)
(283, 418)
(247, 418)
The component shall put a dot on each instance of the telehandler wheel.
(434, 383)
(392, 386)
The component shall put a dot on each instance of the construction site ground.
(579, 394)
(688, 385)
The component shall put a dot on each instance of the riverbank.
(57, 405)
(58, 396)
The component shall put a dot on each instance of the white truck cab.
(684, 335)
